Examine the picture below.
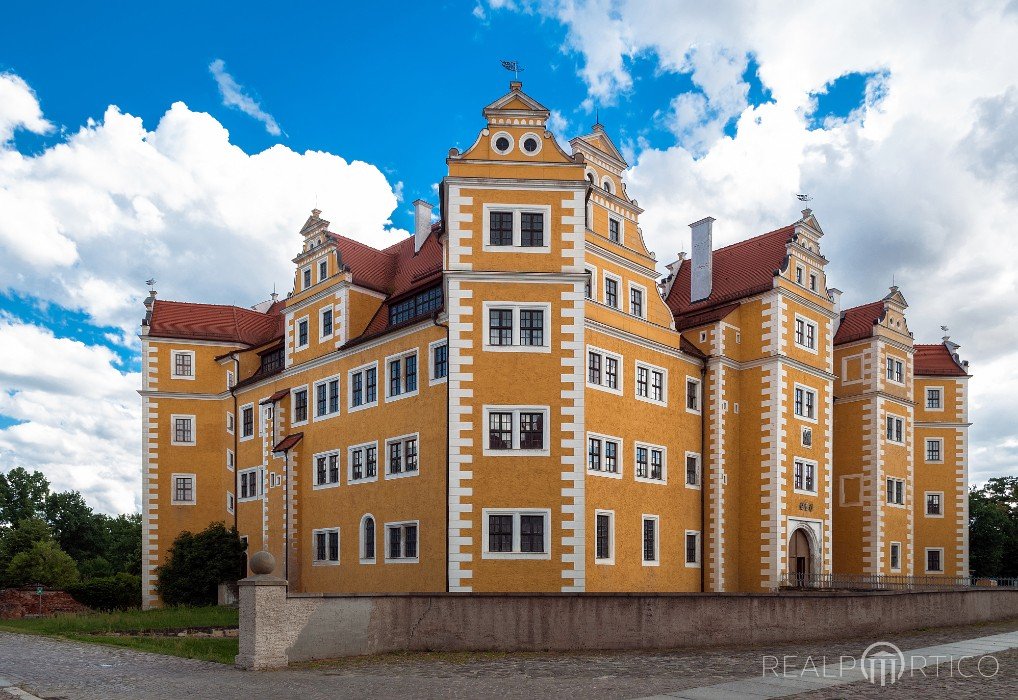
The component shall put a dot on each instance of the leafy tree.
(123, 548)
(197, 564)
(45, 563)
(79, 531)
(993, 528)
(22, 495)
(15, 540)
(118, 592)
(95, 568)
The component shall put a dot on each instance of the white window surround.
(926, 398)
(699, 395)
(608, 185)
(890, 558)
(240, 414)
(516, 513)
(800, 275)
(517, 210)
(173, 365)
(293, 406)
(806, 437)
(296, 333)
(816, 476)
(904, 493)
(696, 563)
(618, 290)
(619, 361)
(360, 538)
(315, 561)
(699, 470)
(401, 356)
(926, 512)
(173, 489)
(926, 450)
(321, 323)
(306, 279)
(618, 455)
(540, 143)
(926, 560)
(385, 543)
(904, 425)
(231, 423)
(230, 379)
(657, 539)
(663, 481)
(432, 380)
(502, 134)
(516, 411)
(231, 502)
(314, 470)
(349, 463)
(816, 405)
(844, 369)
(592, 273)
(610, 559)
(313, 399)
(841, 490)
(231, 460)
(402, 438)
(323, 270)
(703, 336)
(630, 286)
(350, 408)
(650, 385)
(173, 430)
(259, 473)
(516, 307)
(807, 323)
(897, 360)
(622, 229)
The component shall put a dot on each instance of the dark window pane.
(531, 533)
(594, 368)
(500, 533)
(531, 431)
(642, 464)
(410, 371)
(594, 454)
(369, 538)
(500, 327)
(603, 537)
(357, 389)
(532, 229)
(395, 543)
(500, 431)
(531, 327)
(649, 537)
(395, 386)
(300, 408)
(500, 228)
(410, 541)
(370, 385)
(441, 367)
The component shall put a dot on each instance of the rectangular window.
(517, 327)
(363, 462)
(614, 230)
(401, 455)
(402, 542)
(895, 370)
(933, 399)
(692, 548)
(326, 398)
(327, 469)
(611, 292)
(603, 455)
(603, 370)
(183, 364)
(323, 270)
(650, 543)
(934, 563)
(604, 536)
(500, 533)
(531, 229)
(805, 403)
(650, 463)
(934, 450)
(229, 423)
(421, 304)
(692, 395)
(183, 488)
(500, 431)
(247, 421)
(934, 503)
(799, 272)
(588, 284)
(516, 534)
(895, 429)
(805, 476)
(531, 431)
(500, 227)
(896, 492)
(363, 386)
(306, 274)
(805, 334)
(326, 546)
(300, 405)
(692, 469)
(326, 323)
(642, 381)
(650, 383)
(636, 301)
(183, 430)
(302, 333)
(895, 556)
(439, 362)
(231, 460)
(251, 483)
(402, 375)
(500, 327)
(812, 282)
(531, 327)
(516, 429)
(231, 502)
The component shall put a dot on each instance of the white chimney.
(836, 298)
(702, 278)
(422, 223)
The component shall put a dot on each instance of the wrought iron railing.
(891, 582)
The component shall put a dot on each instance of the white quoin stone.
(702, 277)
(835, 294)
(422, 223)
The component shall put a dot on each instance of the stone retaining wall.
(276, 629)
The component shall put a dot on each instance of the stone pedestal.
(263, 640)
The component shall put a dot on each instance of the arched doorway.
(800, 559)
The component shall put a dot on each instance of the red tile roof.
(937, 360)
(740, 270)
(703, 317)
(690, 349)
(857, 323)
(228, 324)
(288, 442)
(277, 396)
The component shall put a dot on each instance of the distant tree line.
(993, 528)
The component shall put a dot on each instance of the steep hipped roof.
(858, 322)
(938, 361)
(228, 324)
(740, 270)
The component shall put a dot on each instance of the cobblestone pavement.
(55, 669)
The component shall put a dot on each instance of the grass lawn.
(93, 628)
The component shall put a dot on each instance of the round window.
(502, 144)
(530, 144)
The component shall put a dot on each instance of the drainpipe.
(703, 481)
(448, 444)
(236, 443)
(286, 515)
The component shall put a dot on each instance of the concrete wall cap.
(262, 580)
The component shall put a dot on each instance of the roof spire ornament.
(514, 67)
(805, 199)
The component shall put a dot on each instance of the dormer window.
(323, 270)
(307, 277)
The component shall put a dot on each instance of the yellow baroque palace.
(513, 400)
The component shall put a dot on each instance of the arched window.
(367, 539)
(591, 178)
(608, 185)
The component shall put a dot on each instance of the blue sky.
(903, 141)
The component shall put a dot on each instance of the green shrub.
(197, 564)
(46, 564)
(119, 592)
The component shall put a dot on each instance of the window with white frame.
(935, 504)
(604, 537)
(604, 370)
(325, 323)
(439, 352)
(401, 375)
(230, 424)
(367, 531)
(362, 461)
(896, 491)
(934, 398)
(302, 333)
(805, 333)
(895, 556)
(306, 277)
(247, 422)
(692, 395)
(805, 476)
(231, 502)
(516, 533)
(522, 228)
(590, 284)
(323, 270)
(805, 404)
(516, 430)
(636, 297)
(401, 542)
(896, 429)
(812, 281)
(231, 379)
(183, 490)
(895, 370)
(401, 456)
(650, 463)
(327, 469)
(325, 543)
(799, 274)
(300, 406)
(807, 437)
(604, 454)
(611, 290)
(363, 386)
(651, 545)
(327, 398)
(651, 383)
(693, 469)
(183, 364)
(251, 483)
(934, 560)
(183, 430)
(934, 450)
(517, 327)
(614, 229)
(692, 548)
(231, 460)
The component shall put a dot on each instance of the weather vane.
(151, 282)
(513, 66)
(804, 198)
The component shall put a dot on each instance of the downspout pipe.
(703, 482)
(448, 444)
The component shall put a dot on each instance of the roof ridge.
(750, 240)
(218, 306)
(863, 306)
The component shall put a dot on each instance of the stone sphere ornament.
(263, 563)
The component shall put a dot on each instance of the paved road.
(54, 669)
